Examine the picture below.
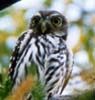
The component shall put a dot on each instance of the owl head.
(49, 22)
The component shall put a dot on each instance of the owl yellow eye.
(35, 20)
(56, 21)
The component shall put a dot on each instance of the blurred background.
(81, 32)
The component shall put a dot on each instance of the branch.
(87, 95)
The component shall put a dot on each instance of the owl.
(43, 44)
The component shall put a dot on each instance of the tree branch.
(87, 95)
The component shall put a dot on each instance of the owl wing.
(58, 70)
(17, 54)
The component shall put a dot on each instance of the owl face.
(46, 22)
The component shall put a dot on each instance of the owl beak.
(43, 27)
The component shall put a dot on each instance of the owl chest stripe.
(21, 61)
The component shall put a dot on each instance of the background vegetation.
(81, 17)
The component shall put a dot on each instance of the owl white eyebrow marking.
(38, 14)
(54, 15)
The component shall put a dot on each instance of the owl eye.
(56, 21)
(35, 20)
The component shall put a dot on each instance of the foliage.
(5, 89)
(38, 91)
(48, 3)
(22, 90)
(29, 85)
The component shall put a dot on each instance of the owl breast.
(43, 47)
